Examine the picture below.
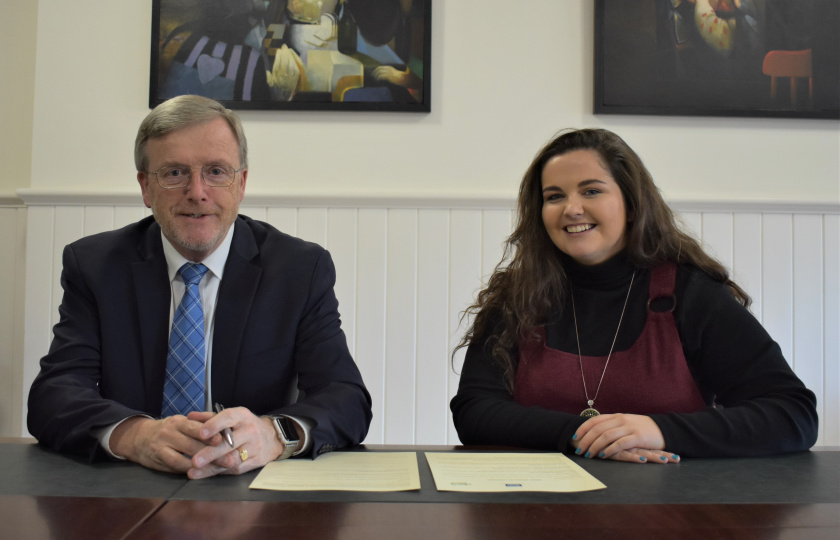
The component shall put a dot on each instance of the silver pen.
(226, 432)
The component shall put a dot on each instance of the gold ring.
(243, 454)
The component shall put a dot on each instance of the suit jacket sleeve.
(66, 401)
(332, 393)
(278, 347)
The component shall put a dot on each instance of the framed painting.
(771, 58)
(341, 55)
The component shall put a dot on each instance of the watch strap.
(289, 446)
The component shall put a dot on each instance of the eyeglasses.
(211, 175)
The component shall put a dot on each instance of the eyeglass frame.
(189, 176)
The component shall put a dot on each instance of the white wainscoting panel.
(405, 275)
(370, 313)
(808, 302)
(465, 271)
(746, 256)
(432, 365)
(398, 408)
(777, 278)
(12, 283)
(830, 412)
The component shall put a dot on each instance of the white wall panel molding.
(8, 200)
(756, 206)
(40, 197)
(405, 273)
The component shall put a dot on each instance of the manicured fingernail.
(577, 451)
(586, 455)
(675, 456)
(574, 436)
(601, 454)
(642, 458)
(663, 458)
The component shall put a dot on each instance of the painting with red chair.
(776, 58)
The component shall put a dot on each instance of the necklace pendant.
(590, 411)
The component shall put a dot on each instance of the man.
(194, 306)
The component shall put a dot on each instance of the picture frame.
(681, 57)
(306, 55)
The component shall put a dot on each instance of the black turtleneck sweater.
(760, 406)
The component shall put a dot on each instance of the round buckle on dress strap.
(670, 310)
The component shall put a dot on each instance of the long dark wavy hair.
(530, 280)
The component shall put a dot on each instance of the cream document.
(486, 472)
(342, 471)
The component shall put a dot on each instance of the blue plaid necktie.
(183, 387)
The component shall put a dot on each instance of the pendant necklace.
(590, 411)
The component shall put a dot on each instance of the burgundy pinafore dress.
(651, 377)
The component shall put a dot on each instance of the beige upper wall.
(501, 86)
(18, 25)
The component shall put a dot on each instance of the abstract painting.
(370, 55)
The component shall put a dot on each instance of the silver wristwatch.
(286, 434)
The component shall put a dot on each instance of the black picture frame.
(360, 55)
(651, 58)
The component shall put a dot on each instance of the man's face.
(194, 218)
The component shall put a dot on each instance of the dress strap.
(663, 279)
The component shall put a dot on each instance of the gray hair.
(184, 111)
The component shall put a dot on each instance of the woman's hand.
(622, 437)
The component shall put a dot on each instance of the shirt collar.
(215, 262)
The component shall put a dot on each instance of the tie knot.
(192, 273)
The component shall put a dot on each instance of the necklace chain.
(590, 411)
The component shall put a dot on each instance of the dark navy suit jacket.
(277, 332)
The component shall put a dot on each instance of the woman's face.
(583, 208)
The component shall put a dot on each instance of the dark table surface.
(806, 477)
(29, 469)
(47, 495)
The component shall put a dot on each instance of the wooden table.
(46, 495)
(25, 517)
(487, 521)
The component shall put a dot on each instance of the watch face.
(288, 428)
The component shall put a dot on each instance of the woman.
(609, 332)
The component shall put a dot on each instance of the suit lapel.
(153, 294)
(236, 295)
